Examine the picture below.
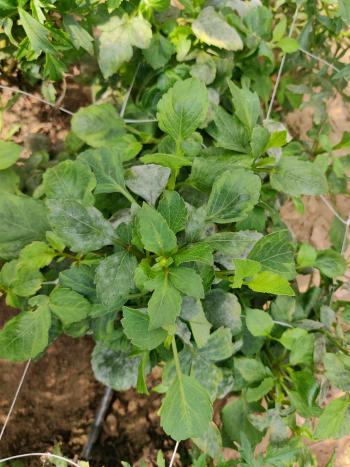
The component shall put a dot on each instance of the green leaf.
(78, 35)
(164, 306)
(246, 104)
(159, 51)
(256, 394)
(27, 280)
(245, 269)
(288, 45)
(36, 255)
(234, 244)
(280, 29)
(192, 311)
(197, 252)
(173, 208)
(306, 255)
(155, 234)
(9, 154)
(223, 309)
(115, 43)
(335, 420)
(172, 161)
(219, 346)
(302, 351)
(270, 282)
(275, 253)
(107, 166)
(69, 180)
(344, 10)
(251, 370)
(114, 368)
(259, 141)
(337, 368)
(210, 443)
(82, 228)
(115, 279)
(136, 328)
(9, 181)
(81, 279)
(186, 410)
(331, 263)
(296, 178)
(212, 29)
(26, 335)
(187, 281)
(37, 34)
(234, 194)
(23, 220)
(228, 131)
(138, 181)
(183, 108)
(259, 322)
(98, 125)
(69, 306)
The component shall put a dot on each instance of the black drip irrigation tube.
(97, 425)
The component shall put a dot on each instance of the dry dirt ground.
(60, 395)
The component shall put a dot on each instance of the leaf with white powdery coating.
(138, 180)
(136, 328)
(187, 281)
(186, 410)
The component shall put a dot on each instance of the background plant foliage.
(162, 239)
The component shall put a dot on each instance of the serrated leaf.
(9, 154)
(23, 220)
(212, 29)
(233, 195)
(270, 282)
(223, 309)
(194, 252)
(138, 181)
(173, 208)
(296, 178)
(78, 35)
(79, 278)
(69, 306)
(335, 420)
(186, 410)
(115, 368)
(235, 244)
(259, 323)
(246, 104)
(69, 180)
(228, 131)
(26, 335)
(37, 255)
(183, 108)
(136, 328)
(192, 311)
(172, 161)
(164, 306)
(155, 234)
(98, 125)
(82, 228)
(187, 281)
(37, 34)
(275, 253)
(115, 279)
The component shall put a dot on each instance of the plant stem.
(176, 360)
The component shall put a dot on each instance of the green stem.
(176, 360)
(129, 197)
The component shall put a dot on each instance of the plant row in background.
(162, 239)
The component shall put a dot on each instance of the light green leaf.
(173, 208)
(246, 104)
(335, 420)
(288, 45)
(197, 252)
(115, 43)
(270, 282)
(296, 178)
(186, 410)
(331, 263)
(98, 125)
(183, 108)
(280, 29)
(173, 161)
(136, 328)
(259, 141)
(69, 306)
(69, 180)
(219, 346)
(37, 34)
(291, 336)
(234, 194)
(155, 234)
(245, 269)
(138, 180)
(223, 309)
(187, 281)
(302, 351)
(115, 279)
(306, 255)
(9, 154)
(115, 368)
(9, 181)
(82, 228)
(159, 51)
(337, 368)
(36, 255)
(212, 29)
(259, 322)
(78, 35)
(275, 253)
(256, 394)
(26, 335)
(27, 280)
(23, 220)
(164, 306)
(228, 131)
